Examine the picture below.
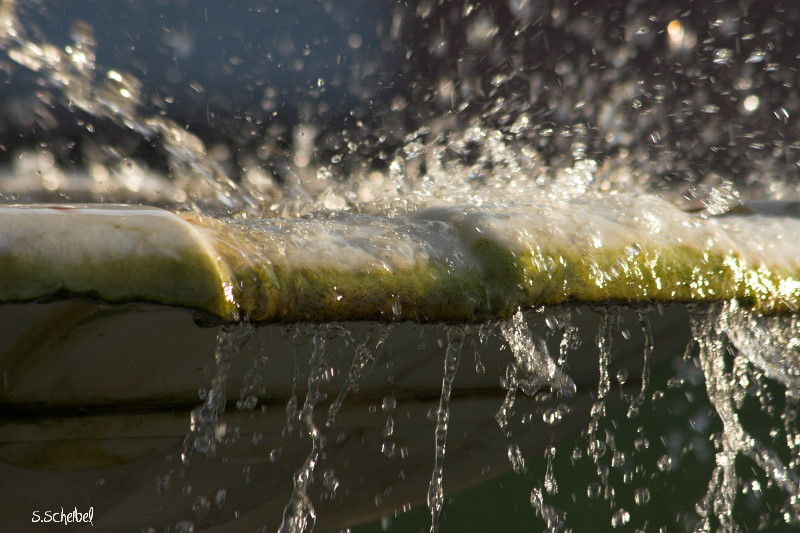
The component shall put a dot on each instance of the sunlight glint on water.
(741, 354)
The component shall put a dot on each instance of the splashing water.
(522, 137)
(455, 338)
(206, 427)
(644, 320)
(367, 353)
(712, 333)
(531, 370)
(299, 515)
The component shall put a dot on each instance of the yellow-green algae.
(231, 271)
(494, 281)
(113, 253)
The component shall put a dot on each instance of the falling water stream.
(529, 135)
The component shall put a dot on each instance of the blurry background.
(681, 93)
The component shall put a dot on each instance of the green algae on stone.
(447, 264)
(112, 253)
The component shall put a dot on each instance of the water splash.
(647, 330)
(554, 519)
(367, 353)
(252, 379)
(299, 515)
(531, 370)
(455, 339)
(480, 164)
(118, 96)
(711, 329)
(206, 427)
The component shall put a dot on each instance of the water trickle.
(644, 321)
(367, 353)
(206, 427)
(531, 370)
(713, 328)
(455, 339)
(554, 519)
(299, 515)
(608, 323)
(550, 483)
(252, 379)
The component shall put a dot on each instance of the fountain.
(512, 284)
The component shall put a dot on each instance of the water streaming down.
(455, 339)
(299, 515)
(713, 331)
(531, 370)
(206, 426)
(518, 158)
(367, 354)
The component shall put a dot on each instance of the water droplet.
(248, 403)
(219, 499)
(620, 518)
(201, 506)
(551, 416)
(184, 526)
(723, 56)
(330, 484)
(594, 490)
(387, 448)
(756, 56)
(388, 429)
(516, 458)
(664, 463)
(389, 403)
(618, 460)
(642, 496)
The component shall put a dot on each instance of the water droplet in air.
(201, 506)
(387, 448)
(515, 456)
(163, 483)
(248, 403)
(723, 56)
(551, 416)
(620, 518)
(388, 429)
(757, 56)
(184, 526)
(642, 496)
(389, 403)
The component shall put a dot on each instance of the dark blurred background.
(683, 89)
